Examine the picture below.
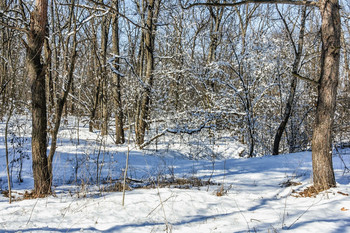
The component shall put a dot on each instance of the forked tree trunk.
(323, 174)
(36, 73)
(298, 50)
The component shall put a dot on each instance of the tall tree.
(105, 23)
(61, 100)
(323, 174)
(119, 127)
(153, 7)
(298, 50)
(36, 74)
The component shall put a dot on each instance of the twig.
(346, 169)
(31, 213)
(240, 211)
(301, 215)
(158, 206)
(168, 227)
(127, 162)
(7, 154)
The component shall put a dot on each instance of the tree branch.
(14, 27)
(177, 131)
(4, 86)
(243, 2)
(305, 79)
(110, 8)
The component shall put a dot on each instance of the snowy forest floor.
(215, 190)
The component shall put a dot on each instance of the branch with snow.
(179, 131)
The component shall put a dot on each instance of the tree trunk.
(152, 14)
(323, 174)
(61, 102)
(288, 110)
(104, 98)
(94, 72)
(36, 72)
(119, 126)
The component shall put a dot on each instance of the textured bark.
(152, 14)
(215, 31)
(104, 41)
(36, 72)
(95, 105)
(323, 174)
(119, 115)
(215, 34)
(94, 72)
(298, 50)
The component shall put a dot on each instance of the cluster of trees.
(265, 70)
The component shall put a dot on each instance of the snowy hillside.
(170, 191)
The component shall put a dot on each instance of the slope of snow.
(254, 199)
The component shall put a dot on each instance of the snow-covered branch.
(178, 131)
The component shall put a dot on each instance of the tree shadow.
(117, 228)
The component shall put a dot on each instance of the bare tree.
(118, 109)
(105, 23)
(323, 174)
(36, 73)
(153, 7)
(298, 50)
(61, 100)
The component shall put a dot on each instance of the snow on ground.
(253, 200)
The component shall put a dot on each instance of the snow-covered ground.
(253, 200)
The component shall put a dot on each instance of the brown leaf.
(343, 209)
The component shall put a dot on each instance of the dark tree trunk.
(119, 126)
(104, 98)
(141, 124)
(323, 174)
(36, 72)
(95, 105)
(298, 50)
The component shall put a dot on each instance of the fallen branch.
(177, 131)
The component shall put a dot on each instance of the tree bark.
(119, 115)
(98, 81)
(152, 14)
(323, 174)
(36, 73)
(104, 98)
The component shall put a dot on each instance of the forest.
(201, 95)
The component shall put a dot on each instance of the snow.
(253, 198)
